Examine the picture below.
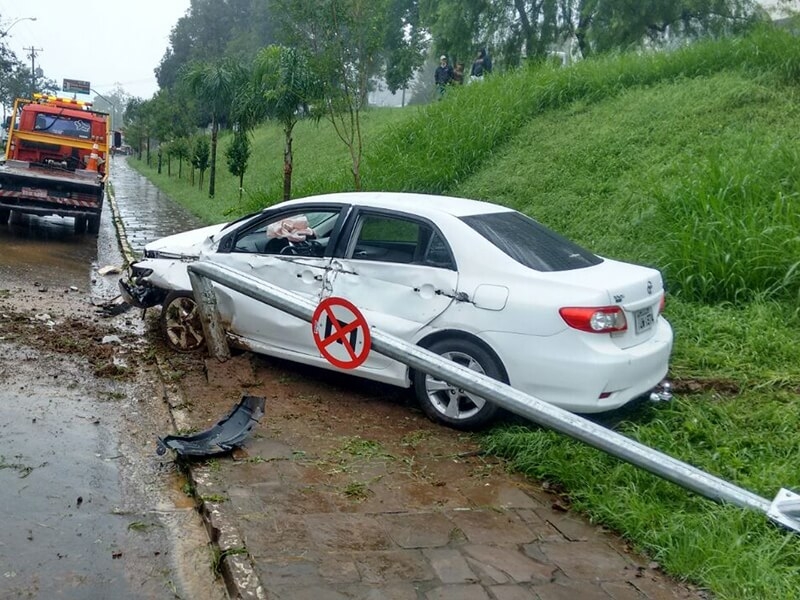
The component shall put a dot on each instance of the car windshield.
(531, 243)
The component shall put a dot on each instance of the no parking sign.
(341, 333)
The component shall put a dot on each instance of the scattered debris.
(222, 437)
(108, 270)
(111, 339)
(114, 307)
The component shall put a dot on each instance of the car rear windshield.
(531, 243)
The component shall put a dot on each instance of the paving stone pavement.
(285, 533)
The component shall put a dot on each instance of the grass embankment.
(686, 161)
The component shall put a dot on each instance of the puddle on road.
(90, 510)
(95, 513)
(45, 249)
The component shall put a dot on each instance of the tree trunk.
(241, 186)
(287, 162)
(213, 169)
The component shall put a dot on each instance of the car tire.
(450, 405)
(180, 322)
(5, 214)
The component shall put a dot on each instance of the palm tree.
(215, 86)
(288, 87)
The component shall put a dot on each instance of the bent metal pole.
(785, 509)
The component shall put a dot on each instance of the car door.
(290, 249)
(396, 268)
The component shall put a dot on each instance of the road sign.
(77, 86)
(341, 333)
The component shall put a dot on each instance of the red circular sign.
(341, 333)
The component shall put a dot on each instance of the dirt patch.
(61, 321)
(359, 442)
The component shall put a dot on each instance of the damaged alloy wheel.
(180, 322)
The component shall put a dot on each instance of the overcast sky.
(103, 42)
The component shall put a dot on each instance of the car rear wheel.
(180, 322)
(5, 213)
(449, 404)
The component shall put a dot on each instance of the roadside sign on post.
(77, 86)
(341, 333)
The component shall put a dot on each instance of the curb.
(234, 564)
(116, 218)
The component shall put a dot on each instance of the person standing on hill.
(443, 75)
(481, 65)
(458, 73)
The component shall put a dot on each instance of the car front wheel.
(180, 322)
(450, 404)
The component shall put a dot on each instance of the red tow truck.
(56, 160)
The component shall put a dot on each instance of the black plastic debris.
(222, 437)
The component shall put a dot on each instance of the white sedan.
(483, 285)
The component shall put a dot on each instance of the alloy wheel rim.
(184, 329)
(452, 401)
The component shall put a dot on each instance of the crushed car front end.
(163, 268)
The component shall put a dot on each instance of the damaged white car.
(483, 285)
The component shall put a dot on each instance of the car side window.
(399, 240)
(290, 234)
(437, 254)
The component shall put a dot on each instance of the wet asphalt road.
(88, 510)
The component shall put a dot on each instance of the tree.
(237, 154)
(628, 23)
(344, 40)
(114, 103)
(200, 152)
(405, 44)
(215, 29)
(215, 86)
(534, 28)
(284, 78)
(138, 119)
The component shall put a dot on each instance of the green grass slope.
(686, 161)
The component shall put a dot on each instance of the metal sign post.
(784, 509)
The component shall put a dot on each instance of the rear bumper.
(574, 371)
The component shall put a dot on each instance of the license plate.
(36, 193)
(644, 319)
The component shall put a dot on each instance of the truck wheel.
(5, 213)
(180, 322)
(80, 225)
(94, 225)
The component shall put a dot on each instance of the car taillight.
(594, 319)
(662, 303)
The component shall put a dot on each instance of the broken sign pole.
(784, 509)
(203, 291)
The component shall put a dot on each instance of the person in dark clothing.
(482, 64)
(443, 75)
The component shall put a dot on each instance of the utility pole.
(32, 54)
